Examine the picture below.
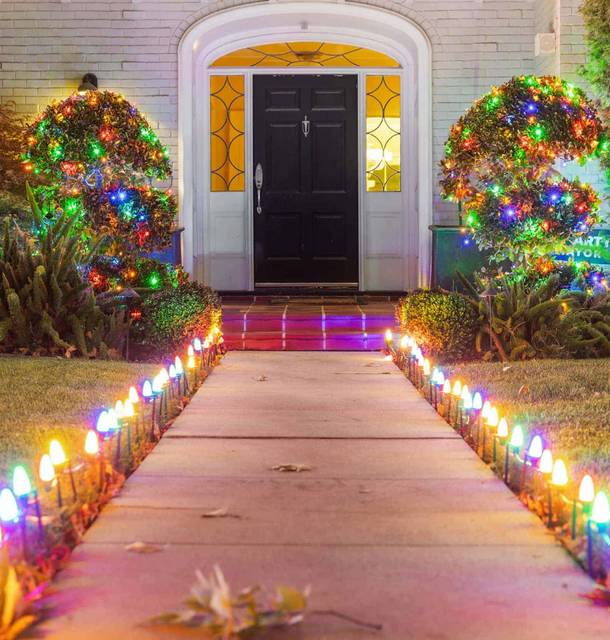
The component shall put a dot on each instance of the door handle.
(258, 183)
(305, 126)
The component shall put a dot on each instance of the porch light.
(586, 491)
(88, 83)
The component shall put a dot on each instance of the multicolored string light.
(500, 160)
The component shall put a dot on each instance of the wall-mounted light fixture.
(88, 83)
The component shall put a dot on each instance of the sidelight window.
(227, 126)
(382, 133)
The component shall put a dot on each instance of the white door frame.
(307, 21)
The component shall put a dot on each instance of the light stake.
(600, 515)
(533, 453)
(46, 473)
(514, 445)
(586, 495)
(92, 449)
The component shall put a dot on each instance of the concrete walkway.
(398, 522)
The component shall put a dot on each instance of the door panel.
(305, 137)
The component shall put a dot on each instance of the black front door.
(305, 140)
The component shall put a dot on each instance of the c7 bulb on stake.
(600, 516)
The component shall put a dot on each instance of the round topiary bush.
(174, 316)
(444, 324)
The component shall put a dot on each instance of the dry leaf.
(261, 379)
(143, 547)
(506, 367)
(291, 467)
(223, 512)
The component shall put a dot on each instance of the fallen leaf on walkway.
(291, 467)
(506, 367)
(364, 490)
(143, 547)
(223, 512)
(523, 390)
(598, 596)
(261, 379)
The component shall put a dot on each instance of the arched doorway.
(381, 231)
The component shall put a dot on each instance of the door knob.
(258, 182)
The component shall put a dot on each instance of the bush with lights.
(98, 156)
(499, 165)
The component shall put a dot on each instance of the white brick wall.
(47, 45)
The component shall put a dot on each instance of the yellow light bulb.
(56, 451)
(128, 410)
(486, 409)
(404, 343)
(502, 428)
(426, 367)
(134, 398)
(118, 409)
(465, 392)
(190, 363)
(546, 462)
(92, 444)
(190, 351)
(586, 491)
(457, 389)
(388, 336)
(447, 386)
(46, 470)
(493, 418)
(559, 476)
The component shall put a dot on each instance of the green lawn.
(566, 400)
(42, 398)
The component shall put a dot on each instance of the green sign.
(593, 248)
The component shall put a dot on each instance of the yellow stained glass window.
(227, 152)
(383, 133)
(305, 54)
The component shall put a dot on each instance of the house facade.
(305, 136)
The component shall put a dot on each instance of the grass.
(567, 401)
(42, 398)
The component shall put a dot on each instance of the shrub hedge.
(444, 323)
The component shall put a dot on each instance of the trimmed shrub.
(173, 317)
(445, 324)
